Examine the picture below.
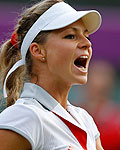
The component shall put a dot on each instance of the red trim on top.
(80, 134)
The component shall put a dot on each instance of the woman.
(51, 49)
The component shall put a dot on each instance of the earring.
(43, 58)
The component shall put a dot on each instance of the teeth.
(84, 57)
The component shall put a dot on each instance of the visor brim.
(91, 19)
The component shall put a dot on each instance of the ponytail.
(8, 56)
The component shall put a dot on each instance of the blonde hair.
(9, 55)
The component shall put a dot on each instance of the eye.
(88, 38)
(70, 36)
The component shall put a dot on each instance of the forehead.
(77, 26)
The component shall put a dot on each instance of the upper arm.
(98, 144)
(10, 140)
(21, 124)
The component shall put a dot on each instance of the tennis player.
(48, 52)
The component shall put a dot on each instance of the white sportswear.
(32, 117)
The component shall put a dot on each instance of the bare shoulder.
(98, 144)
(10, 140)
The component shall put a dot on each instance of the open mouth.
(81, 62)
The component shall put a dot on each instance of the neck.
(57, 89)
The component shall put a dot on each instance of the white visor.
(58, 16)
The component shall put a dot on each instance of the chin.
(81, 81)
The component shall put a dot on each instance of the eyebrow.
(76, 29)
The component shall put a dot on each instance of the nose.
(84, 43)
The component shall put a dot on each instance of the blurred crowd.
(98, 102)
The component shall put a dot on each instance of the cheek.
(60, 55)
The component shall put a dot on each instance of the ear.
(37, 51)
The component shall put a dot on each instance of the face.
(68, 52)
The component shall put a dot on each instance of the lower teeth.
(81, 67)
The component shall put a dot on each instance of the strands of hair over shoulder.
(10, 54)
